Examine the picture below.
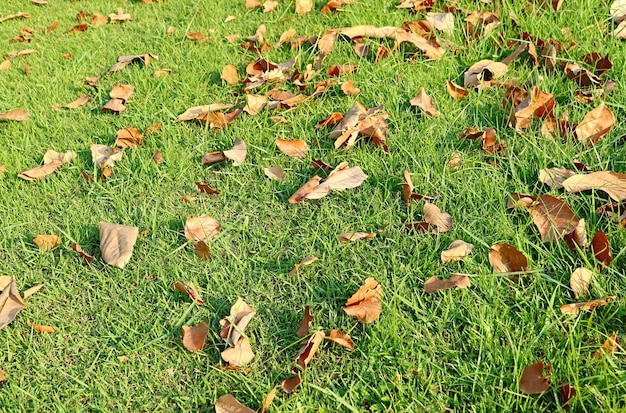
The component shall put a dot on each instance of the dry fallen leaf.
(269, 5)
(41, 329)
(353, 236)
(587, 306)
(538, 104)
(129, 137)
(341, 178)
(157, 158)
(237, 153)
(295, 148)
(3, 377)
(442, 221)
(117, 243)
(595, 125)
(267, 401)
(31, 291)
(234, 324)
(308, 351)
(10, 303)
(505, 258)
(229, 75)
(610, 346)
(349, 89)
(601, 248)
(365, 303)
(613, 183)
(195, 337)
(455, 91)
(103, 156)
(80, 251)
(434, 284)
(206, 189)
(120, 16)
(84, 99)
(202, 250)
(554, 177)
(275, 172)
(228, 404)
(456, 251)
(533, 381)
(554, 219)
(340, 338)
(40, 171)
(162, 72)
(239, 355)
(305, 261)
(14, 114)
(47, 242)
(201, 228)
(425, 103)
(304, 6)
(305, 323)
(189, 290)
(579, 281)
(482, 73)
(290, 384)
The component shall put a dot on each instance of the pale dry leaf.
(201, 228)
(613, 183)
(435, 217)
(4, 281)
(308, 351)
(105, 156)
(234, 324)
(255, 104)
(162, 72)
(587, 306)
(434, 284)
(31, 291)
(10, 303)
(353, 236)
(47, 242)
(117, 243)
(407, 187)
(295, 148)
(64, 157)
(195, 337)
(303, 6)
(618, 11)
(340, 338)
(275, 172)
(458, 250)
(40, 171)
(240, 355)
(554, 177)
(14, 114)
(269, 6)
(84, 99)
(441, 21)
(533, 381)
(349, 89)
(229, 75)
(305, 261)
(238, 152)
(115, 106)
(595, 125)
(338, 180)
(229, 19)
(120, 16)
(308, 187)
(579, 281)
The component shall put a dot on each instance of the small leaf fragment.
(434, 284)
(79, 250)
(189, 290)
(340, 338)
(587, 306)
(458, 250)
(610, 345)
(305, 261)
(305, 323)
(275, 172)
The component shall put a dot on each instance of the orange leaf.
(189, 290)
(157, 158)
(122, 92)
(595, 125)
(433, 284)
(195, 337)
(229, 75)
(340, 338)
(290, 384)
(267, 401)
(365, 303)
(538, 104)
(304, 6)
(307, 353)
(129, 137)
(349, 89)
(41, 329)
(53, 26)
(455, 91)
(533, 380)
(587, 306)
(610, 345)
(40, 171)
(206, 189)
(79, 102)
(425, 103)
(47, 242)
(201, 228)
(79, 28)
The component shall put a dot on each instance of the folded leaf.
(117, 243)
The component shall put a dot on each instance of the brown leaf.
(579, 281)
(251, 4)
(456, 251)
(31, 291)
(157, 158)
(275, 172)
(189, 290)
(125, 60)
(308, 187)
(229, 75)
(455, 91)
(365, 303)
(15, 16)
(533, 380)
(305, 261)
(228, 404)
(63, 157)
(255, 104)
(349, 89)
(117, 243)
(269, 5)
(240, 355)
(340, 70)
(361, 50)
(84, 99)
(79, 250)
(433, 284)
(234, 324)
(3, 378)
(537, 104)
(129, 137)
(482, 73)
(40, 171)
(340, 338)
(595, 125)
(407, 188)
(115, 106)
(267, 401)
(341, 178)
(52, 26)
(303, 6)
(202, 250)
(587, 306)
(237, 153)
(419, 227)
(295, 148)
(601, 248)
(162, 72)
(10, 303)
(290, 384)
(41, 329)
(201, 112)
(47, 242)
(610, 345)
(554, 177)
(206, 189)
(353, 236)
(333, 119)
(433, 215)
(425, 103)
(319, 164)
(195, 337)
(201, 228)
(554, 219)
(98, 19)
(103, 156)
(5, 65)
(307, 353)
(505, 258)
(14, 114)
(79, 28)
(122, 92)
(305, 323)
(613, 183)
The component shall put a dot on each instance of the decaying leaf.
(290, 384)
(434, 284)
(117, 243)
(228, 404)
(31, 291)
(234, 324)
(105, 156)
(195, 337)
(458, 250)
(365, 304)
(123, 61)
(533, 381)
(303, 6)
(554, 219)
(47, 242)
(189, 290)
(239, 355)
(229, 75)
(305, 323)
(84, 99)
(308, 351)
(129, 137)
(202, 250)
(206, 189)
(342, 177)
(340, 338)
(613, 183)
(275, 172)
(601, 248)
(595, 125)
(14, 114)
(305, 261)
(441, 221)
(482, 73)
(255, 104)
(554, 177)
(587, 306)
(238, 152)
(538, 104)
(353, 236)
(425, 103)
(40, 171)
(610, 345)
(455, 91)
(10, 303)
(267, 401)
(201, 228)
(80, 251)
(296, 148)
(579, 281)
(505, 258)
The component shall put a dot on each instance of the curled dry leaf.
(595, 125)
(353, 236)
(483, 73)
(234, 324)
(340, 338)
(442, 221)
(201, 112)
(275, 172)
(505, 258)
(201, 228)
(341, 178)
(115, 106)
(601, 248)
(296, 148)
(64, 157)
(189, 290)
(610, 345)
(455, 91)
(40, 329)
(434, 284)
(458, 250)
(365, 303)
(80, 251)
(84, 99)
(238, 152)
(129, 137)
(554, 177)
(407, 187)
(305, 323)
(213, 157)
(579, 281)
(47, 242)
(117, 243)
(40, 171)
(441, 21)
(538, 104)
(305, 261)
(206, 189)
(554, 219)
(613, 183)
(256, 103)
(31, 291)
(349, 89)
(239, 355)
(307, 353)
(533, 381)
(228, 404)
(425, 103)
(587, 306)
(290, 384)
(267, 401)
(195, 337)
(14, 114)
(105, 156)
(10, 303)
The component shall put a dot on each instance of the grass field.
(454, 350)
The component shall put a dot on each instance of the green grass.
(458, 350)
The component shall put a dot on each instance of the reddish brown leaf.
(195, 337)
(206, 189)
(505, 258)
(595, 125)
(433, 284)
(295, 148)
(533, 381)
(305, 323)
(79, 28)
(340, 338)
(40, 171)
(566, 391)
(407, 188)
(340, 70)
(189, 290)
(202, 250)
(365, 303)
(157, 158)
(53, 26)
(290, 384)
(79, 250)
(307, 353)
(419, 227)
(554, 219)
(587, 306)
(601, 248)
(333, 119)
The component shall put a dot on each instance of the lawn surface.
(454, 350)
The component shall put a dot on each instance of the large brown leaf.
(10, 303)
(505, 258)
(533, 381)
(595, 125)
(305, 323)
(554, 219)
(228, 404)
(601, 248)
(365, 304)
(201, 228)
(53, 156)
(195, 337)
(343, 177)
(290, 384)
(117, 243)
(129, 137)
(434, 284)
(613, 183)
